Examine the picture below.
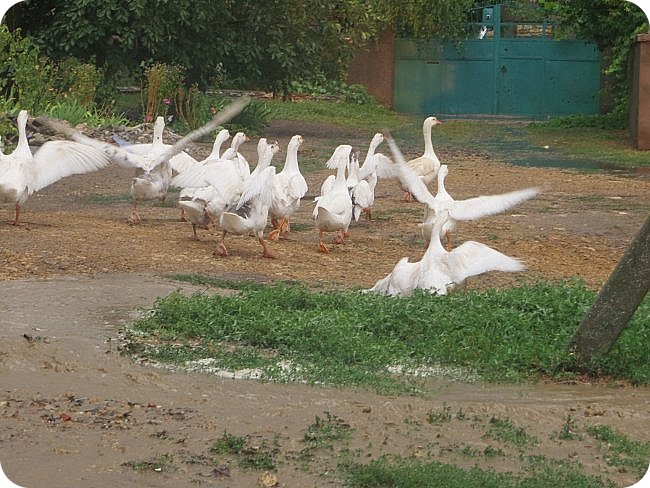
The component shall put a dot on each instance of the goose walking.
(288, 189)
(333, 210)
(427, 165)
(250, 213)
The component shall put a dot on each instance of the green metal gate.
(497, 75)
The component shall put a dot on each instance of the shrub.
(162, 85)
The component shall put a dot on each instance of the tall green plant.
(25, 75)
(162, 84)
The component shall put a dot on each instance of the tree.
(252, 43)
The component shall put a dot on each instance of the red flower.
(166, 101)
(148, 118)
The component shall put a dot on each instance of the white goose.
(288, 189)
(469, 209)
(154, 154)
(193, 200)
(232, 153)
(333, 211)
(363, 193)
(439, 270)
(250, 212)
(150, 182)
(22, 173)
(427, 165)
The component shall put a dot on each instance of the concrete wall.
(640, 97)
(374, 67)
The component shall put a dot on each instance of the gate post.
(640, 96)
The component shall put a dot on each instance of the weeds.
(159, 463)
(620, 450)
(250, 456)
(502, 429)
(439, 417)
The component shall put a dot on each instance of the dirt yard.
(76, 413)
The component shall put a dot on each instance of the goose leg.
(267, 253)
(321, 245)
(196, 237)
(408, 197)
(16, 219)
(282, 226)
(221, 247)
(340, 237)
(134, 218)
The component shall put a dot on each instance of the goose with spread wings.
(151, 156)
(469, 209)
(439, 270)
(23, 173)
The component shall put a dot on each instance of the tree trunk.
(616, 303)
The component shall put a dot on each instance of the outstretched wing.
(481, 206)
(58, 159)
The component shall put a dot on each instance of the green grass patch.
(348, 338)
(396, 472)
(369, 116)
(255, 456)
(620, 450)
(563, 142)
(502, 429)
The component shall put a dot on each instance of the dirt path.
(76, 413)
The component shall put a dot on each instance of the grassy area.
(286, 332)
(511, 140)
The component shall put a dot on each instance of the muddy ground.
(76, 413)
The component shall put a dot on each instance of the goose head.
(431, 121)
(295, 142)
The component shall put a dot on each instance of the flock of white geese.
(223, 192)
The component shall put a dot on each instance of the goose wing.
(259, 186)
(481, 206)
(408, 178)
(58, 159)
(473, 258)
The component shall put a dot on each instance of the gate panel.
(536, 77)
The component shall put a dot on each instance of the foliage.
(75, 113)
(255, 43)
(162, 85)
(349, 338)
(321, 86)
(25, 74)
(78, 81)
(423, 19)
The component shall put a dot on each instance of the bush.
(25, 75)
(162, 85)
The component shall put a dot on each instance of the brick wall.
(374, 67)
